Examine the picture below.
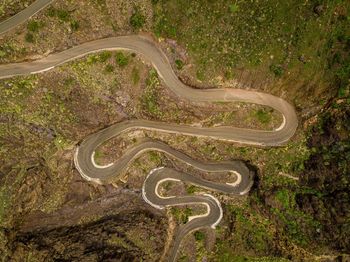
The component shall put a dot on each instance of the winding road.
(84, 154)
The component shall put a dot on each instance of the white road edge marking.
(162, 207)
(97, 165)
(144, 191)
(201, 215)
(220, 208)
(87, 178)
(161, 181)
(282, 125)
(238, 180)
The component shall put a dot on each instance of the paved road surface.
(84, 155)
(23, 16)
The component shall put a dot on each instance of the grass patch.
(263, 116)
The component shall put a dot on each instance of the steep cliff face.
(129, 236)
(116, 226)
(327, 176)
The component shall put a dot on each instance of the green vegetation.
(263, 116)
(117, 241)
(104, 56)
(64, 16)
(29, 38)
(179, 64)
(61, 14)
(74, 25)
(277, 70)
(34, 26)
(284, 197)
(181, 214)
(155, 157)
(234, 8)
(199, 236)
(121, 59)
(250, 231)
(277, 38)
(191, 189)
(306, 43)
(101, 57)
(137, 19)
(149, 99)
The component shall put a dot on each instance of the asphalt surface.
(23, 16)
(84, 155)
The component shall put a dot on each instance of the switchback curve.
(84, 155)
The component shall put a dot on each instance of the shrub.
(121, 59)
(199, 236)
(137, 19)
(29, 38)
(179, 64)
(74, 25)
(277, 70)
(62, 15)
(104, 56)
(34, 26)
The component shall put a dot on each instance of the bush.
(179, 64)
(74, 25)
(199, 236)
(62, 15)
(121, 59)
(137, 19)
(104, 56)
(277, 70)
(29, 38)
(34, 26)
